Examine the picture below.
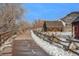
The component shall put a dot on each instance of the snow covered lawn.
(50, 48)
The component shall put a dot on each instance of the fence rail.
(51, 41)
(4, 36)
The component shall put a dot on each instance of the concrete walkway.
(24, 45)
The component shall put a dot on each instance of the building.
(68, 19)
(53, 26)
(75, 28)
(38, 25)
(48, 26)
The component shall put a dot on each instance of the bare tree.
(9, 13)
(23, 26)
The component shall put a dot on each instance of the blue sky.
(48, 11)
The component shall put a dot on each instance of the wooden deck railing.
(4, 36)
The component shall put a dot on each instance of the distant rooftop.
(76, 20)
(75, 12)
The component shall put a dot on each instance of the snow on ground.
(58, 33)
(7, 46)
(50, 48)
(61, 35)
(8, 42)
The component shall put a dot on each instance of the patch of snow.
(66, 44)
(8, 43)
(63, 39)
(62, 33)
(50, 48)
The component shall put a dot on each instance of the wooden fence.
(4, 36)
(50, 39)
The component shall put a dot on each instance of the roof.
(69, 18)
(75, 12)
(76, 20)
(39, 24)
(54, 24)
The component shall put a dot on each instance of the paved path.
(25, 46)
